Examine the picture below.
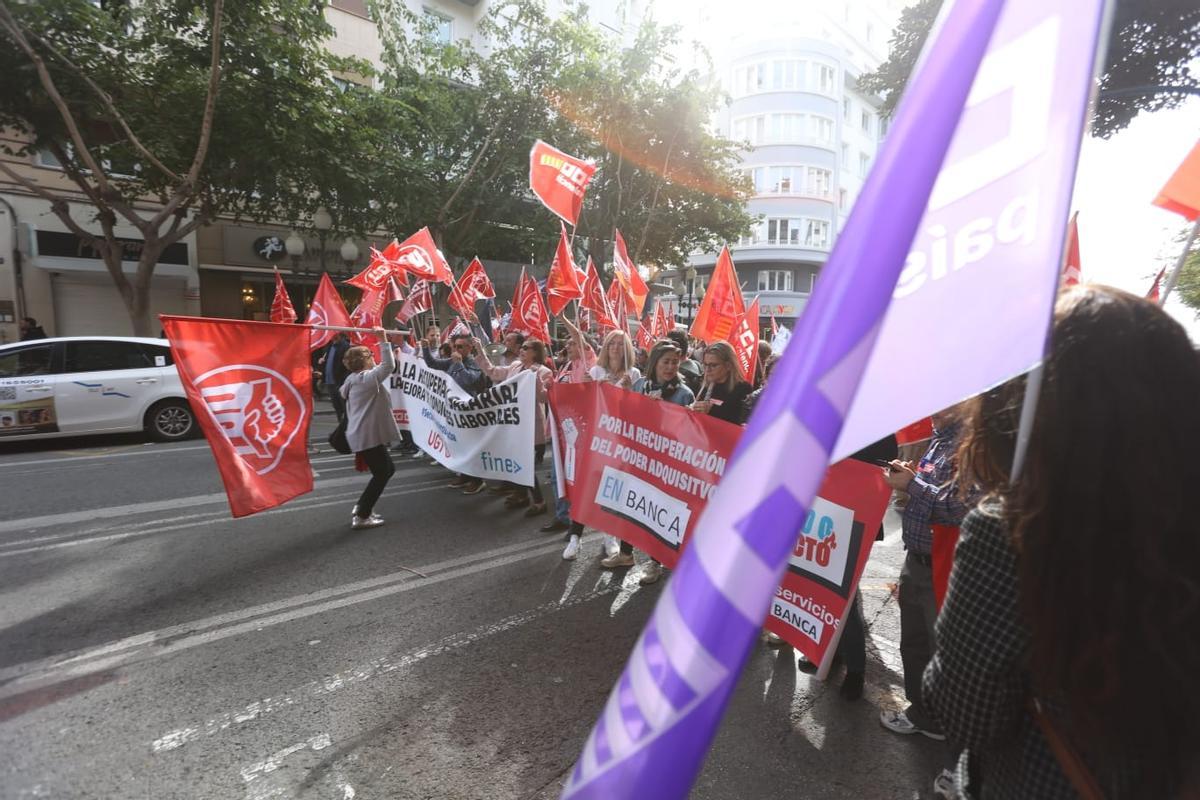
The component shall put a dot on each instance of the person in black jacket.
(334, 372)
(724, 393)
(30, 329)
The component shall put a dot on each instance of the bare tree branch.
(210, 101)
(59, 205)
(107, 100)
(9, 23)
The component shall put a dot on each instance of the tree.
(459, 156)
(167, 113)
(1187, 289)
(1152, 43)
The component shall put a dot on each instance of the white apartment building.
(791, 73)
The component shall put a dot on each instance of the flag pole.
(345, 329)
(1173, 277)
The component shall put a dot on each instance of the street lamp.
(688, 281)
(322, 221)
(294, 246)
(349, 253)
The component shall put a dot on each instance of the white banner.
(488, 435)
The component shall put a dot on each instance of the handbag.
(337, 439)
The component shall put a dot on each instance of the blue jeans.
(562, 506)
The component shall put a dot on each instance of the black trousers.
(379, 460)
(852, 647)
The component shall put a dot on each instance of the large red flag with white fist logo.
(559, 180)
(250, 386)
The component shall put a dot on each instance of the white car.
(78, 385)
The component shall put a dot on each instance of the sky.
(1124, 240)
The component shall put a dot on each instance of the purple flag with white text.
(1001, 198)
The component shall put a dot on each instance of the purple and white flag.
(998, 207)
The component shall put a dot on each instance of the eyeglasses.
(713, 364)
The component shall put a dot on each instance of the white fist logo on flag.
(416, 257)
(257, 409)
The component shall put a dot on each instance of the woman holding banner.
(532, 357)
(1063, 663)
(616, 362)
(724, 393)
(370, 426)
(580, 358)
(662, 382)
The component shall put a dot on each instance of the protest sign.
(488, 435)
(831, 551)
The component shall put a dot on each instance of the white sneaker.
(612, 545)
(572, 549)
(651, 573)
(944, 787)
(373, 521)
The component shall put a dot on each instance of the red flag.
(562, 284)
(594, 301)
(418, 254)
(1152, 295)
(627, 274)
(475, 284)
(327, 309)
(662, 324)
(1182, 192)
(1071, 263)
(529, 313)
(281, 306)
(559, 180)
(369, 314)
(722, 304)
(744, 338)
(459, 327)
(644, 338)
(459, 301)
(251, 385)
(774, 327)
(392, 294)
(419, 299)
(618, 302)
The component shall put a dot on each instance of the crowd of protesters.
(1057, 661)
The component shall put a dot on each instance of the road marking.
(145, 507)
(21, 678)
(358, 674)
(260, 768)
(67, 458)
(148, 528)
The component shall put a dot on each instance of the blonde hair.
(604, 361)
(724, 351)
(356, 358)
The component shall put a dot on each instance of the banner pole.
(1173, 276)
(344, 329)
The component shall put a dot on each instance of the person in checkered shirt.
(1068, 645)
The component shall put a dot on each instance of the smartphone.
(885, 464)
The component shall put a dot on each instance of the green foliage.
(1187, 289)
(1151, 43)
(460, 161)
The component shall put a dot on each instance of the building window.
(847, 106)
(845, 156)
(44, 158)
(784, 128)
(864, 164)
(866, 121)
(883, 127)
(819, 181)
(775, 280)
(816, 234)
(843, 199)
(823, 80)
(438, 26)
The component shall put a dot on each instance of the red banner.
(643, 470)
(559, 180)
(327, 309)
(645, 482)
(562, 284)
(250, 384)
(594, 300)
(832, 549)
(419, 299)
(529, 312)
(475, 283)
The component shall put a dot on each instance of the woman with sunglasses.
(662, 382)
(724, 393)
(615, 364)
(531, 357)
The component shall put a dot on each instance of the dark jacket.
(334, 352)
(730, 404)
(465, 373)
(34, 332)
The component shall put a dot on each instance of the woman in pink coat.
(532, 357)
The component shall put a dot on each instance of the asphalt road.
(153, 647)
